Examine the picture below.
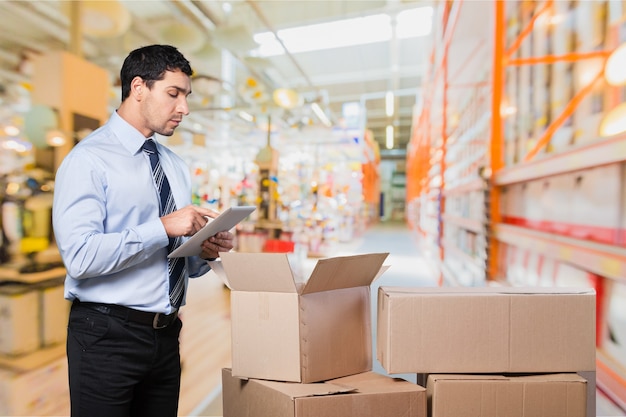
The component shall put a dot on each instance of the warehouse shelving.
(547, 194)
(601, 152)
(606, 260)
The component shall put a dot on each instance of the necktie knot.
(149, 146)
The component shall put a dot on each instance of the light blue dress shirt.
(106, 220)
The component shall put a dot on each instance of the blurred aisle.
(406, 267)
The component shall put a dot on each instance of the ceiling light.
(614, 68)
(389, 103)
(346, 32)
(507, 110)
(246, 116)
(56, 138)
(413, 23)
(286, 98)
(105, 19)
(614, 122)
(336, 34)
(320, 114)
(11, 130)
(389, 137)
(587, 72)
(17, 145)
(555, 19)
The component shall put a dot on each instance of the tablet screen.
(225, 221)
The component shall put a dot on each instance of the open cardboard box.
(289, 329)
(366, 394)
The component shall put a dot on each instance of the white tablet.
(225, 221)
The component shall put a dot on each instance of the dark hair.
(150, 63)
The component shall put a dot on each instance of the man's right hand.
(187, 221)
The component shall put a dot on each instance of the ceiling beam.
(293, 60)
(56, 30)
(404, 92)
(380, 74)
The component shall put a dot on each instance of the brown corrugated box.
(287, 329)
(366, 394)
(589, 376)
(486, 330)
(562, 395)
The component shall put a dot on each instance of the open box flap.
(259, 272)
(300, 390)
(218, 269)
(382, 270)
(345, 272)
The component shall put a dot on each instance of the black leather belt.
(156, 320)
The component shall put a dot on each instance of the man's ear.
(137, 86)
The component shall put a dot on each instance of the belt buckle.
(156, 321)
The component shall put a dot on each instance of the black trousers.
(119, 368)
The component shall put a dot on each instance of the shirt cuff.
(197, 266)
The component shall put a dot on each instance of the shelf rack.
(525, 157)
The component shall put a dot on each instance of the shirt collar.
(130, 138)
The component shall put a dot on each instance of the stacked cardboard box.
(540, 340)
(303, 347)
(500, 396)
(366, 394)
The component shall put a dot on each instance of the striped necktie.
(176, 266)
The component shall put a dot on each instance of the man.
(122, 202)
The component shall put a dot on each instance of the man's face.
(166, 103)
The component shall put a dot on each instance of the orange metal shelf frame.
(607, 261)
(568, 161)
(420, 160)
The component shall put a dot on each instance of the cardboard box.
(562, 395)
(589, 376)
(19, 319)
(486, 330)
(363, 395)
(286, 329)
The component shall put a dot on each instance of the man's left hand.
(220, 242)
